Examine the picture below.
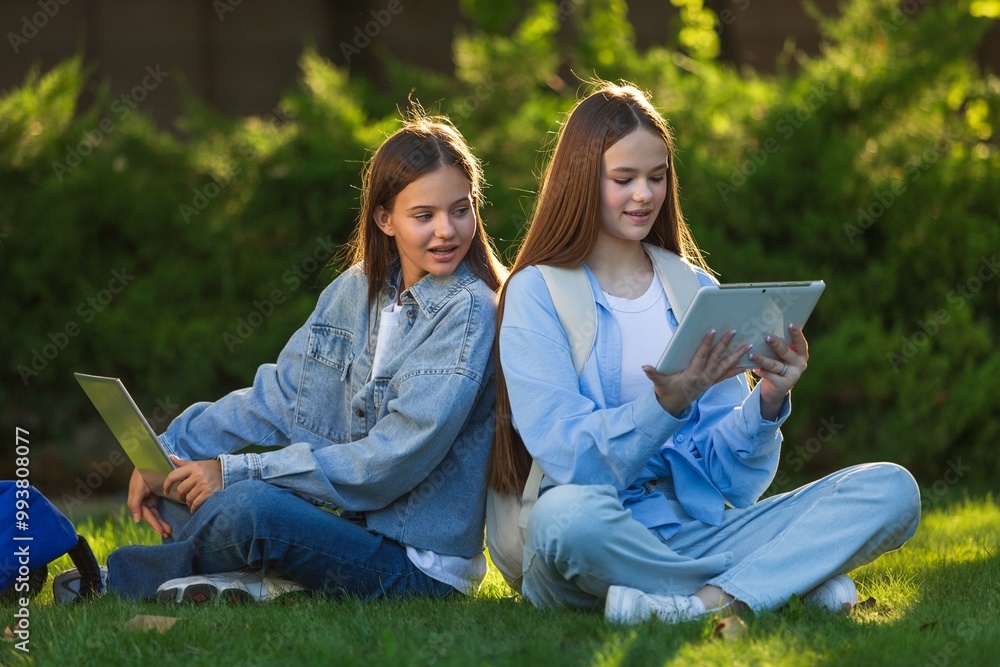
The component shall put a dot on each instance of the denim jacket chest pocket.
(325, 381)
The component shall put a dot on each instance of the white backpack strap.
(577, 312)
(575, 307)
(679, 278)
(531, 488)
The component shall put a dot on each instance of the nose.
(445, 229)
(643, 192)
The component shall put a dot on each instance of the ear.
(383, 221)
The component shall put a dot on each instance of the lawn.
(936, 603)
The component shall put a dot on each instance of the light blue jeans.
(253, 524)
(581, 540)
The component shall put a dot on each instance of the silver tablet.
(130, 427)
(753, 310)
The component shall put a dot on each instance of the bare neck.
(622, 268)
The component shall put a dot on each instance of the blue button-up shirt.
(720, 450)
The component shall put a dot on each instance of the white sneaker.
(836, 594)
(232, 587)
(66, 585)
(629, 606)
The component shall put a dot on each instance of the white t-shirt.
(464, 574)
(645, 330)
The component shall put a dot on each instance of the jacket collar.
(431, 292)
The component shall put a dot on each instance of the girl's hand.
(142, 502)
(710, 365)
(196, 481)
(778, 377)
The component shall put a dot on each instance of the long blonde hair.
(424, 144)
(563, 229)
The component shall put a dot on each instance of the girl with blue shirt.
(380, 407)
(639, 467)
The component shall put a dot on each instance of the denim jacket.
(718, 450)
(407, 448)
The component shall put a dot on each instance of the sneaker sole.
(202, 593)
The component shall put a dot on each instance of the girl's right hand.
(710, 365)
(142, 502)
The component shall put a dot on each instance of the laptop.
(130, 427)
(753, 310)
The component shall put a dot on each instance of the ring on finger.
(784, 369)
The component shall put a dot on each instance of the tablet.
(753, 310)
(131, 429)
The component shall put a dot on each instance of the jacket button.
(359, 412)
(410, 314)
(678, 438)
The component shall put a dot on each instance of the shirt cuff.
(168, 446)
(238, 467)
(760, 429)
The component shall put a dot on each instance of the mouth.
(443, 250)
(640, 214)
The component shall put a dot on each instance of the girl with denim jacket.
(379, 407)
(639, 467)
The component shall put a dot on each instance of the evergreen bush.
(181, 260)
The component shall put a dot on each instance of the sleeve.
(437, 389)
(739, 450)
(572, 438)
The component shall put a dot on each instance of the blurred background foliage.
(872, 166)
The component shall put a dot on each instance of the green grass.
(937, 604)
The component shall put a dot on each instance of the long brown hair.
(424, 144)
(563, 229)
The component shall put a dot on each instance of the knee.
(565, 517)
(247, 501)
(895, 493)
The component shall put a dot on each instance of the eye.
(622, 181)
(658, 179)
(461, 211)
(424, 217)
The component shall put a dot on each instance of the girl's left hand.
(196, 481)
(779, 376)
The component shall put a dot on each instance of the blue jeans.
(256, 525)
(580, 541)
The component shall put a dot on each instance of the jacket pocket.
(323, 402)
